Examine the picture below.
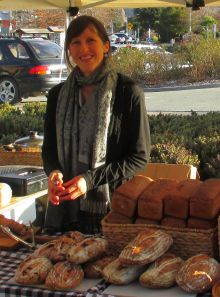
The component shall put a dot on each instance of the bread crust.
(94, 269)
(33, 270)
(198, 274)
(162, 272)
(86, 250)
(64, 275)
(146, 247)
(118, 274)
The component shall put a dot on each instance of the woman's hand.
(74, 188)
(55, 186)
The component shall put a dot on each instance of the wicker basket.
(186, 242)
(21, 158)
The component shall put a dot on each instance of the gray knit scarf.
(67, 114)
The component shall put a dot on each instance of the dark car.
(29, 67)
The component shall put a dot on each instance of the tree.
(173, 22)
(146, 18)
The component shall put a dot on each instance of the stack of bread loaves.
(168, 202)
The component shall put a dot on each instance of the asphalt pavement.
(200, 98)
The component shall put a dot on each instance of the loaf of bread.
(33, 270)
(94, 269)
(114, 217)
(173, 222)
(198, 274)
(76, 236)
(118, 274)
(45, 249)
(5, 194)
(150, 203)
(59, 250)
(162, 272)
(87, 250)
(146, 247)
(64, 275)
(140, 220)
(176, 202)
(205, 203)
(201, 224)
(124, 199)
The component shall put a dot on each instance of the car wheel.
(9, 92)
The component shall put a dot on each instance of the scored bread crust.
(45, 249)
(146, 247)
(87, 250)
(94, 269)
(33, 270)
(162, 272)
(64, 275)
(198, 274)
(58, 252)
(117, 274)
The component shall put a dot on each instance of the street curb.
(177, 88)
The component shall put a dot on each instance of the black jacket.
(128, 147)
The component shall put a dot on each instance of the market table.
(9, 261)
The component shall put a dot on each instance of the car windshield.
(45, 49)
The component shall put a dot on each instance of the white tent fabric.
(47, 4)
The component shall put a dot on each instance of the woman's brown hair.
(77, 26)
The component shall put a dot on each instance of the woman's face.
(87, 50)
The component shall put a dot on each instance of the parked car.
(120, 38)
(29, 67)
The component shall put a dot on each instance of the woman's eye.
(91, 41)
(74, 42)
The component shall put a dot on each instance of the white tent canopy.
(64, 4)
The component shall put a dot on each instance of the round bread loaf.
(94, 269)
(198, 274)
(33, 270)
(117, 274)
(162, 272)
(76, 236)
(45, 249)
(59, 250)
(146, 247)
(87, 250)
(64, 275)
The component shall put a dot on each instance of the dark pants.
(68, 217)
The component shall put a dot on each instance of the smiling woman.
(86, 120)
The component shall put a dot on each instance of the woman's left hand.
(73, 188)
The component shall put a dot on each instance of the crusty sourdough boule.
(64, 275)
(33, 270)
(198, 274)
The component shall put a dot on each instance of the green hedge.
(178, 139)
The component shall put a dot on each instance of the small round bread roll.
(94, 269)
(64, 275)
(162, 272)
(33, 270)
(198, 274)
